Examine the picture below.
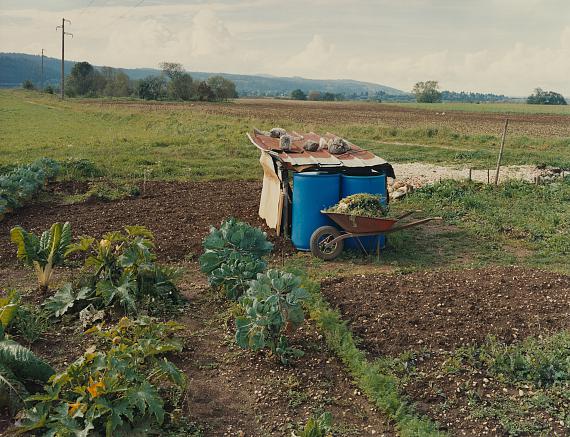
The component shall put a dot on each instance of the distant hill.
(18, 67)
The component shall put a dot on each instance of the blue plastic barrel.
(312, 192)
(375, 184)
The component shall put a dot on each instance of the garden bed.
(179, 213)
(436, 325)
(235, 392)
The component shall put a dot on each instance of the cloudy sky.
(502, 46)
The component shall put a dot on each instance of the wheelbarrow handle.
(412, 224)
(406, 214)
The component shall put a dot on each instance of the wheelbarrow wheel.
(319, 243)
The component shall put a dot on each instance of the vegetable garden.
(152, 307)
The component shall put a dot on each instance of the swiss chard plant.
(232, 236)
(121, 270)
(43, 252)
(272, 306)
(114, 389)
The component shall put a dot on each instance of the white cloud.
(210, 36)
(316, 58)
(376, 41)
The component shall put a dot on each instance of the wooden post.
(501, 152)
(488, 176)
(470, 174)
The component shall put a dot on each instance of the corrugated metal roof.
(299, 159)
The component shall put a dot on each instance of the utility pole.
(42, 78)
(63, 33)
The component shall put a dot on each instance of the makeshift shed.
(277, 163)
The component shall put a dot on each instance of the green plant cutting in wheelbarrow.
(358, 215)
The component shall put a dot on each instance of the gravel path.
(419, 174)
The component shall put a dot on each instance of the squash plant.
(120, 269)
(113, 390)
(272, 306)
(44, 252)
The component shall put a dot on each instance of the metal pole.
(63, 33)
(42, 78)
(62, 80)
(501, 152)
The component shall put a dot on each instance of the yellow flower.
(93, 389)
(73, 408)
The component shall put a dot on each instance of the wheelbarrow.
(327, 242)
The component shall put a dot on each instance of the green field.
(207, 141)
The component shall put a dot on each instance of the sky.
(501, 46)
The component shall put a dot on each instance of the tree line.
(428, 92)
(174, 83)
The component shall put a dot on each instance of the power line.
(140, 2)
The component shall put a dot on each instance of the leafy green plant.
(44, 252)
(234, 275)
(543, 362)
(120, 269)
(272, 306)
(233, 236)
(318, 426)
(30, 323)
(20, 184)
(18, 368)
(74, 169)
(114, 391)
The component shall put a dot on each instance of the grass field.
(207, 141)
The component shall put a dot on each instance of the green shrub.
(31, 322)
(74, 168)
(234, 275)
(20, 184)
(233, 236)
(272, 306)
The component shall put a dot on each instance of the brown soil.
(179, 213)
(535, 125)
(433, 313)
(443, 310)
